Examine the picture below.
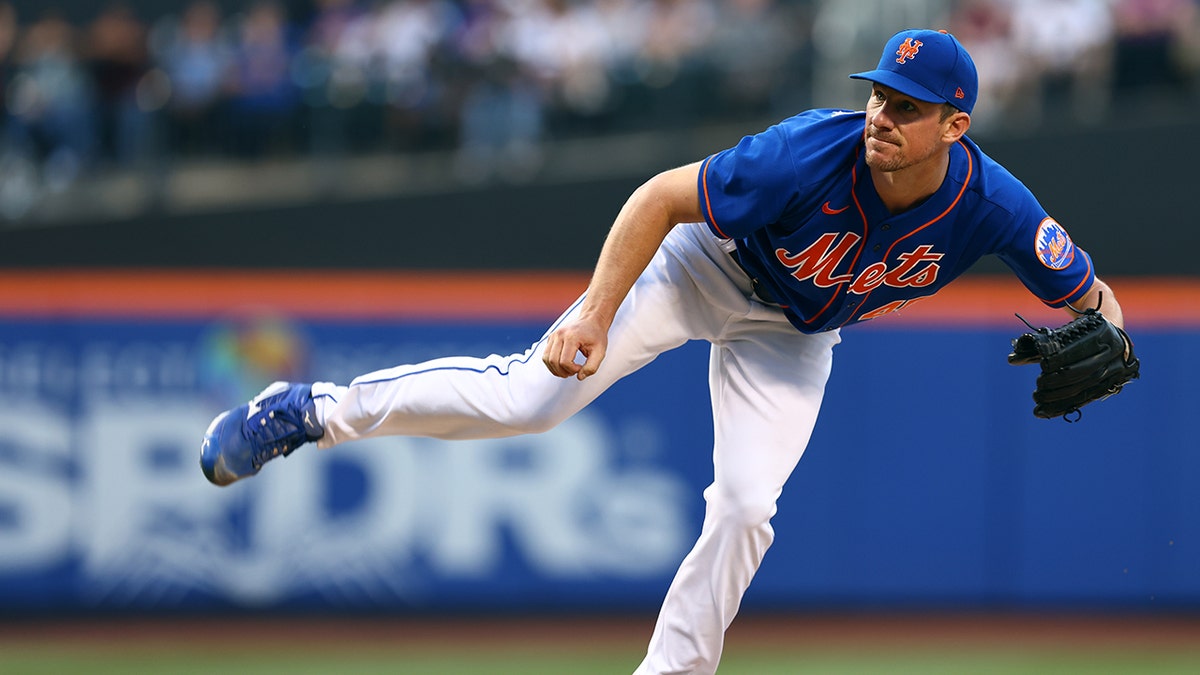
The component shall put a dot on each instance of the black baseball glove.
(1086, 360)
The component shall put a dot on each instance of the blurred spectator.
(410, 40)
(1188, 46)
(563, 47)
(985, 29)
(8, 41)
(18, 177)
(264, 100)
(1152, 36)
(1067, 45)
(594, 85)
(117, 59)
(50, 102)
(494, 79)
(501, 125)
(845, 35)
(196, 56)
(750, 47)
(333, 71)
(501, 118)
(624, 25)
(670, 59)
(676, 33)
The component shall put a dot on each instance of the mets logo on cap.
(1054, 246)
(908, 49)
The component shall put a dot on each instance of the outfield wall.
(928, 483)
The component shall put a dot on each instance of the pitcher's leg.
(457, 397)
(684, 293)
(464, 397)
(766, 393)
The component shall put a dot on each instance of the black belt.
(759, 290)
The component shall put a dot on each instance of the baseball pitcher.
(767, 250)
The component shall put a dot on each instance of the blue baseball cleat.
(276, 422)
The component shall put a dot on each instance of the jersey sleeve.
(749, 185)
(1046, 259)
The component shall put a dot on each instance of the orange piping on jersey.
(707, 201)
(1076, 289)
(961, 191)
(861, 214)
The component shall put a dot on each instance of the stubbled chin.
(877, 151)
(881, 161)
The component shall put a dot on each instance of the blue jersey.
(799, 201)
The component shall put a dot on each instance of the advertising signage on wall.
(105, 503)
(927, 481)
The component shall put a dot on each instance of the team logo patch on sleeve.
(1054, 246)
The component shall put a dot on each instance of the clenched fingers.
(564, 346)
(559, 355)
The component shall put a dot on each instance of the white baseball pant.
(766, 383)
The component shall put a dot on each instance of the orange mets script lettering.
(819, 262)
(908, 50)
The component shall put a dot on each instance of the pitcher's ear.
(957, 126)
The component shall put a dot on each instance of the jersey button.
(877, 247)
(885, 227)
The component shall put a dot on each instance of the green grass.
(374, 663)
(608, 659)
(933, 662)
(757, 645)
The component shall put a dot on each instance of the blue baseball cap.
(928, 65)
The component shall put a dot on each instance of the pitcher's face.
(901, 131)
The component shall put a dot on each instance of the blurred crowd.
(493, 79)
(1077, 59)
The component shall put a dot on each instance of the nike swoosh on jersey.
(830, 211)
